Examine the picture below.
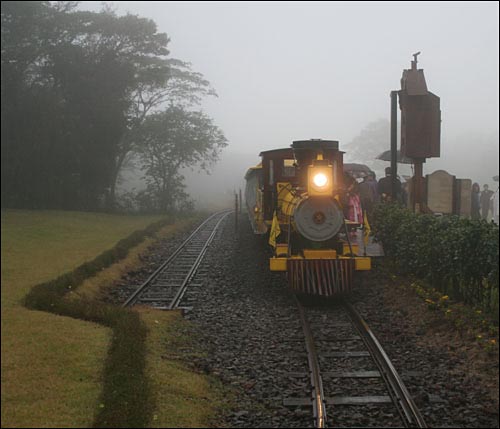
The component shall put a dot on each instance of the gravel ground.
(154, 256)
(434, 368)
(246, 323)
(248, 326)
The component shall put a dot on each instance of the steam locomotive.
(296, 197)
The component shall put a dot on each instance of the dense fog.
(290, 71)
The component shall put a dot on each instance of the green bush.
(458, 257)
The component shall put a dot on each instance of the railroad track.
(165, 288)
(357, 378)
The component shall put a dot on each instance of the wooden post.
(418, 186)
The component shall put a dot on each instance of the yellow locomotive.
(295, 196)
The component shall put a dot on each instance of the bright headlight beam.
(320, 180)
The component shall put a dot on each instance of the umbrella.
(357, 170)
(386, 156)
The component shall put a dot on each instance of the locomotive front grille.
(325, 277)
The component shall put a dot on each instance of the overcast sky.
(286, 71)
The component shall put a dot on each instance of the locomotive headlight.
(320, 180)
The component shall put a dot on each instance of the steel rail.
(412, 416)
(318, 396)
(133, 297)
(182, 289)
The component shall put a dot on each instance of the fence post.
(235, 212)
(240, 202)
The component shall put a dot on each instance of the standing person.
(372, 183)
(475, 202)
(352, 211)
(403, 196)
(494, 200)
(367, 196)
(485, 201)
(385, 187)
(405, 191)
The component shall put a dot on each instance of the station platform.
(372, 248)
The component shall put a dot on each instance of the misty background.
(291, 71)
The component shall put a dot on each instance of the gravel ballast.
(247, 329)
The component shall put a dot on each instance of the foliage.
(76, 89)
(463, 317)
(171, 140)
(174, 82)
(371, 142)
(457, 256)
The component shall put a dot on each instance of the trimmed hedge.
(456, 256)
(126, 400)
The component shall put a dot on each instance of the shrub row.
(126, 398)
(457, 256)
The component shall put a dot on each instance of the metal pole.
(394, 142)
(235, 212)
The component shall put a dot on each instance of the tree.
(77, 87)
(172, 81)
(371, 142)
(24, 49)
(67, 82)
(173, 139)
(117, 56)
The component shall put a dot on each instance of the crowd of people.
(483, 202)
(361, 197)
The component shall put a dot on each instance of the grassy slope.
(39, 387)
(183, 398)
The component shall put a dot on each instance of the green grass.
(52, 366)
(183, 398)
(179, 396)
(60, 371)
(40, 245)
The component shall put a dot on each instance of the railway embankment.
(237, 356)
(449, 351)
(246, 324)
